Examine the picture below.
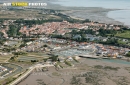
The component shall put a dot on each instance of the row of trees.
(128, 54)
(63, 17)
(34, 22)
(14, 31)
(102, 32)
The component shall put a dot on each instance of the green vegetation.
(58, 64)
(14, 31)
(103, 36)
(111, 68)
(75, 81)
(105, 32)
(28, 59)
(23, 45)
(19, 53)
(7, 49)
(75, 60)
(122, 81)
(1, 42)
(45, 45)
(69, 19)
(16, 55)
(91, 78)
(127, 68)
(98, 66)
(1, 35)
(124, 34)
(67, 63)
(34, 22)
(54, 58)
(106, 67)
(128, 54)
(4, 58)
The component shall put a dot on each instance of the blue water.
(120, 15)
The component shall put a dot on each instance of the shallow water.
(119, 15)
(119, 4)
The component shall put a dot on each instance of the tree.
(54, 58)
(1, 35)
(14, 31)
(86, 20)
(23, 45)
(45, 45)
(128, 54)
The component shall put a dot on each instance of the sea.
(122, 15)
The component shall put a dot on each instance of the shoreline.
(98, 14)
(109, 70)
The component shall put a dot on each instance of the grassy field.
(32, 56)
(25, 13)
(126, 34)
(4, 58)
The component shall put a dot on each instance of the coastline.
(98, 14)
(109, 71)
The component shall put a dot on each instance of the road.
(15, 82)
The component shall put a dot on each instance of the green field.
(33, 56)
(4, 58)
(126, 34)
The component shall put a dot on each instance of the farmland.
(4, 58)
(32, 57)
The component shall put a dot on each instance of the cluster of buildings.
(38, 45)
(65, 27)
(111, 51)
(62, 27)
(61, 44)
(91, 37)
(2, 69)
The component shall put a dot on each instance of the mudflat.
(93, 13)
(87, 71)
